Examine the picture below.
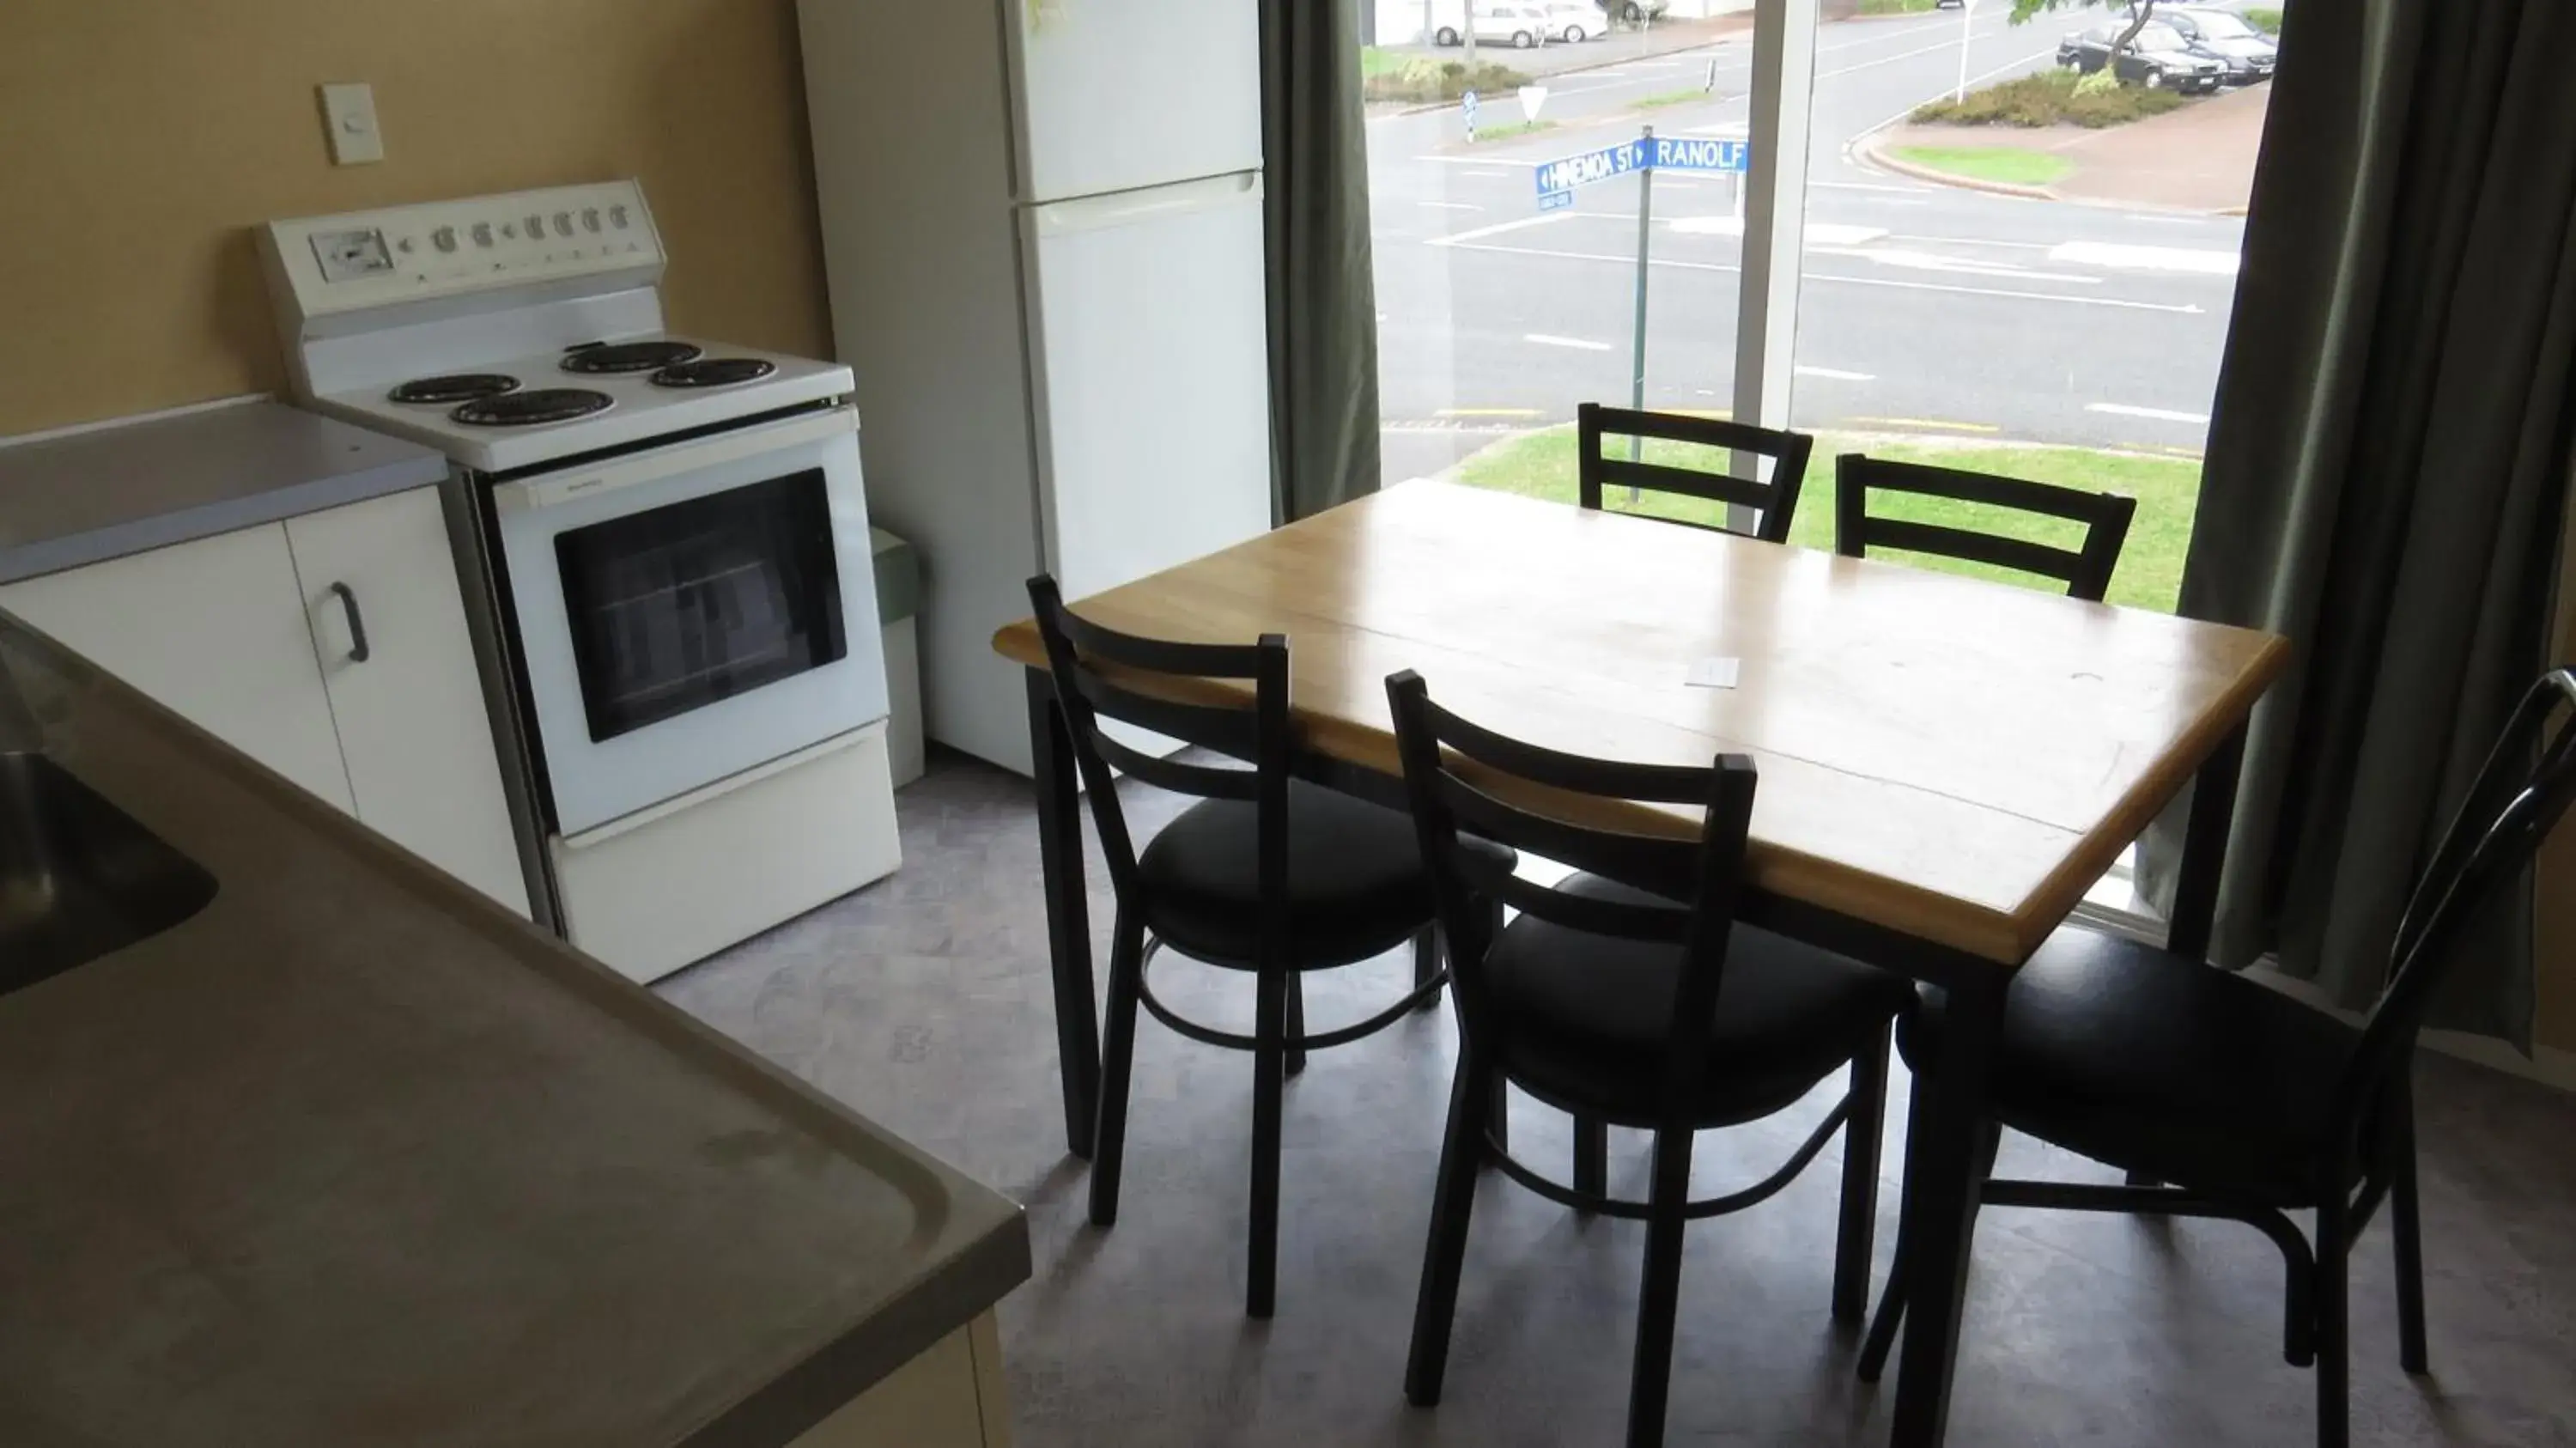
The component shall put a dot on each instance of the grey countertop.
(355, 1156)
(84, 497)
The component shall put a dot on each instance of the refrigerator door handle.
(1123, 208)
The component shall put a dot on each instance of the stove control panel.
(367, 259)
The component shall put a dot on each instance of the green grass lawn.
(1659, 100)
(1990, 163)
(1897, 7)
(1509, 129)
(1541, 465)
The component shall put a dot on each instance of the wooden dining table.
(1946, 763)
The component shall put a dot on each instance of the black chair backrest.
(1102, 673)
(2086, 572)
(1776, 500)
(1449, 764)
(2516, 800)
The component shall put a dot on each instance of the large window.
(2047, 300)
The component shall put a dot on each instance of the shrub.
(2266, 20)
(2052, 97)
(1423, 81)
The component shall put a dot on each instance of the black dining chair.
(2086, 571)
(2248, 1102)
(1642, 1003)
(1265, 874)
(1776, 500)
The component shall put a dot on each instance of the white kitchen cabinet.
(246, 635)
(212, 629)
(949, 1397)
(410, 714)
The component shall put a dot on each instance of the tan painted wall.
(2557, 881)
(140, 140)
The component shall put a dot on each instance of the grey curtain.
(2388, 463)
(1323, 302)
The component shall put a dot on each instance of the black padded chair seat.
(2139, 1059)
(1356, 883)
(1585, 1016)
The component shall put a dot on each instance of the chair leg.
(1498, 1114)
(1659, 1299)
(2334, 1428)
(1117, 1067)
(1592, 1155)
(1863, 1128)
(1444, 1256)
(1269, 1074)
(1891, 1298)
(1296, 1028)
(2406, 1226)
(1426, 963)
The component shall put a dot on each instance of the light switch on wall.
(349, 118)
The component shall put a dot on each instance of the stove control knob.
(563, 223)
(617, 217)
(482, 233)
(590, 218)
(444, 238)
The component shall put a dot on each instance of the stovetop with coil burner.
(510, 412)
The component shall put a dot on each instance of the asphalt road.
(1924, 309)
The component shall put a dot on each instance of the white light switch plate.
(349, 118)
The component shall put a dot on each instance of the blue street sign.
(1674, 154)
(1557, 180)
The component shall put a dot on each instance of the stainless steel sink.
(78, 876)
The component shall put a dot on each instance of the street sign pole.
(1966, 9)
(1645, 234)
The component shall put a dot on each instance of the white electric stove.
(664, 539)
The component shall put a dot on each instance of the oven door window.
(694, 602)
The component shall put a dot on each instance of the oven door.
(694, 611)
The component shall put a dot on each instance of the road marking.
(2159, 414)
(1835, 374)
(1577, 343)
(1483, 161)
(1819, 233)
(1450, 205)
(2127, 257)
(1959, 266)
(1544, 218)
(1929, 422)
(2192, 309)
(1490, 175)
(1971, 241)
(1487, 412)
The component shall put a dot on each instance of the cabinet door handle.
(358, 649)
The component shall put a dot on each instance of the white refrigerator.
(1042, 233)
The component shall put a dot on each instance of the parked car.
(1574, 22)
(1518, 26)
(1634, 12)
(2230, 38)
(2159, 56)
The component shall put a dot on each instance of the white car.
(1522, 27)
(1575, 23)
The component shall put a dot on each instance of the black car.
(2230, 38)
(2159, 56)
